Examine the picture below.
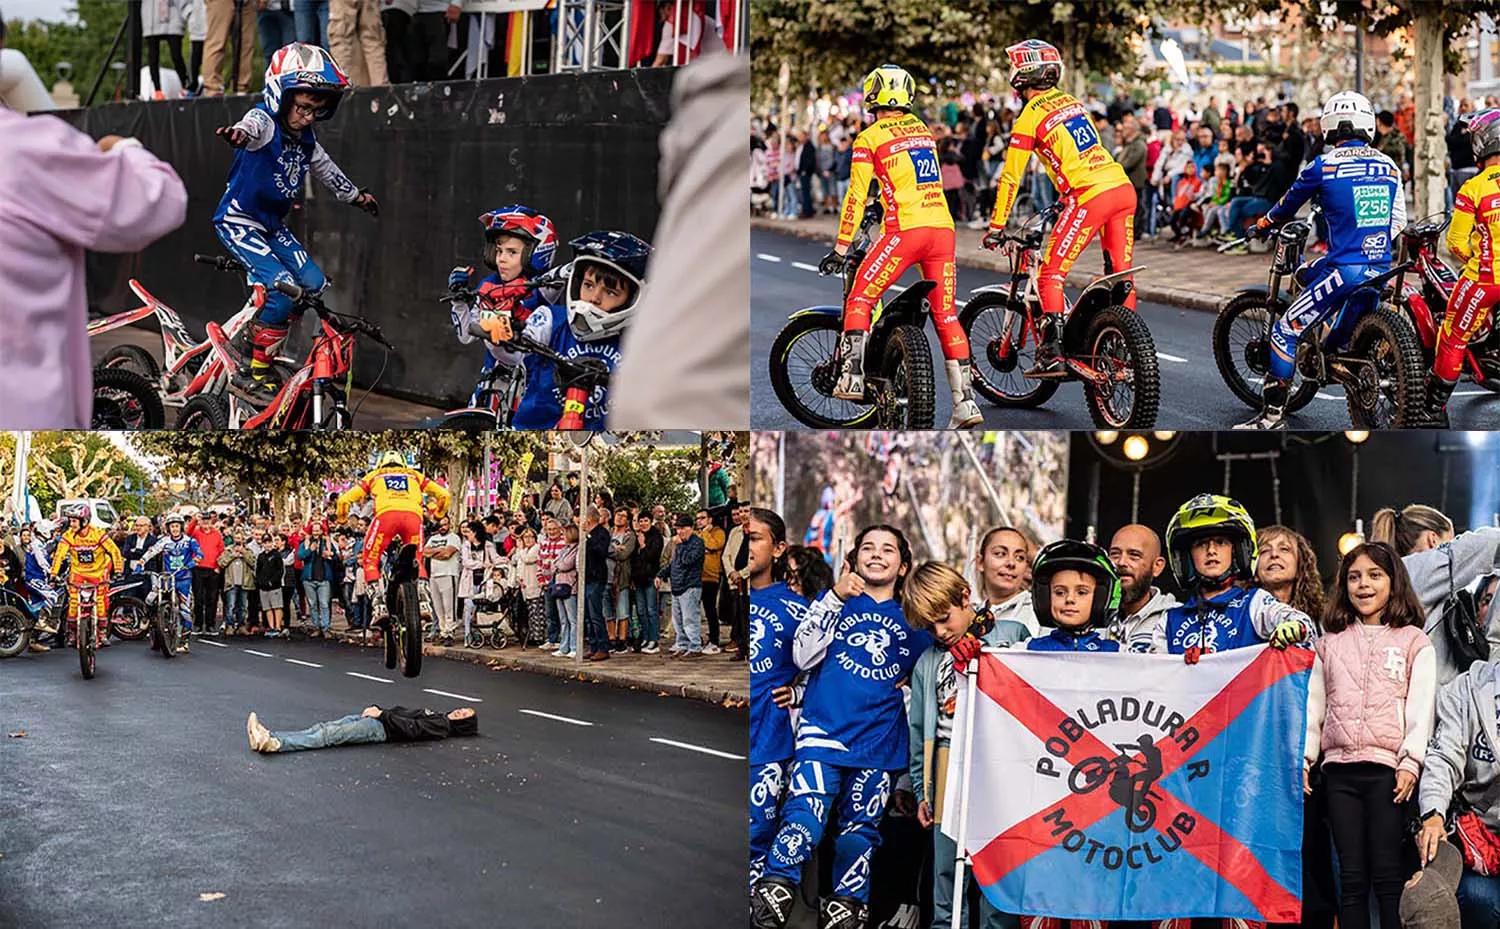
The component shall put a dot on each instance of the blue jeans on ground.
(687, 619)
(622, 601)
(595, 635)
(567, 624)
(318, 593)
(351, 730)
(236, 605)
(1244, 209)
(646, 611)
(312, 22)
(277, 28)
(1478, 901)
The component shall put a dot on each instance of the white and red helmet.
(1034, 64)
(300, 66)
(529, 226)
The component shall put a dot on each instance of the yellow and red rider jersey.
(897, 152)
(1057, 127)
(395, 490)
(93, 554)
(1476, 225)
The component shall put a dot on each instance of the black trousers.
(734, 608)
(711, 610)
(1368, 832)
(174, 48)
(208, 584)
(397, 25)
(427, 47)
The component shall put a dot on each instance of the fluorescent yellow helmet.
(890, 87)
(1206, 516)
(392, 460)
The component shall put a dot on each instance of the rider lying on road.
(394, 724)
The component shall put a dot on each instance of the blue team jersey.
(263, 183)
(1219, 623)
(542, 404)
(1057, 640)
(775, 612)
(1359, 190)
(853, 713)
(178, 557)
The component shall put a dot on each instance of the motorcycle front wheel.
(15, 631)
(86, 634)
(1242, 352)
(1120, 346)
(1003, 345)
(803, 372)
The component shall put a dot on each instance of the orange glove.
(1190, 656)
(964, 651)
(498, 327)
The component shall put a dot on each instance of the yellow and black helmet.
(889, 87)
(1207, 516)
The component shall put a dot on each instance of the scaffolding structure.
(592, 35)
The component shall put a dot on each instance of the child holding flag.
(1371, 704)
(775, 611)
(858, 649)
(936, 599)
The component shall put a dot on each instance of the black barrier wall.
(581, 148)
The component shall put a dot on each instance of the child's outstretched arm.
(253, 131)
(329, 174)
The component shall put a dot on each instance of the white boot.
(851, 383)
(960, 382)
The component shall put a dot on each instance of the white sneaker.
(559, 653)
(650, 648)
(711, 649)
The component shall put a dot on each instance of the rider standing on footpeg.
(1472, 239)
(1098, 194)
(1360, 192)
(275, 148)
(897, 152)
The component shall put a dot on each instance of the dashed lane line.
(369, 677)
(251, 651)
(444, 693)
(1165, 357)
(305, 664)
(213, 643)
(764, 257)
(698, 748)
(561, 719)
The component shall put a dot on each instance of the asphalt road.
(784, 279)
(133, 794)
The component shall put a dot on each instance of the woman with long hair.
(1287, 568)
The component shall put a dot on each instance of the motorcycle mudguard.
(909, 308)
(1095, 298)
(818, 311)
(1421, 315)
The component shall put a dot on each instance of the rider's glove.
(832, 263)
(1261, 227)
(964, 651)
(993, 239)
(233, 135)
(584, 373)
(1288, 633)
(1190, 654)
(366, 201)
(458, 278)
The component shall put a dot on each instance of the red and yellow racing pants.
(1468, 306)
(1111, 216)
(384, 528)
(101, 610)
(931, 250)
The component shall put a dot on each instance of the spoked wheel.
(15, 631)
(204, 413)
(411, 630)
(124, 399)
(803, 373)
(133, 358)
(907, 401)
(1120, 347)
(1242, 350)
(168, 628)
(1003, 343)
(129, 618)
(1389, 393)
(86, 632)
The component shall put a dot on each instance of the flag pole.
(959, 886)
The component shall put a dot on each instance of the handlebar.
(221, 262)
(342, 321)
(586, 368)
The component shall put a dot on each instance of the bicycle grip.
(290, 289)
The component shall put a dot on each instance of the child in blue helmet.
(604, 284)
(520, 244)
(275, 148)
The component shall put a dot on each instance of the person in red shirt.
(208, 580)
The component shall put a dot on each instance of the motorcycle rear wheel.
(907, 370)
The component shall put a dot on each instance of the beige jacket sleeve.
(686, 357)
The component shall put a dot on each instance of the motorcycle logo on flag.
(1126, 787)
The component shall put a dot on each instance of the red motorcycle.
(1424, 300)
(312, 397)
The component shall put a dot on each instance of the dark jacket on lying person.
(404, 724)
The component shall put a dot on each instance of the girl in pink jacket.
(1370, 709)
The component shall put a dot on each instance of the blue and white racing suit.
(1360, 192)
(267, 175)
(542, 403)
(1235, 618)
(177, 559)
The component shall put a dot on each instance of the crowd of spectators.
(1203, 169)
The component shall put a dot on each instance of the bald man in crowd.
(1136, 553)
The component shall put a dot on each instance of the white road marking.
(1322, 396)
(444, 693)
(1165, 357)
(699, 748)
(805, 267)
(369, 677)
(210, 642)
(251, 651)
(306, 664)
(561, 719)
(1457, 393)
(764, 257)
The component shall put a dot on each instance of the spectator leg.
(219, 15)
(1478, 901)
(372, 40)
(711, 610)
(396, 23)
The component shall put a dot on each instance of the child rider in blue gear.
(1075, 590)
(520, 244)
(179, 553)
(275, 147)
(1360, 192)
(604, 284)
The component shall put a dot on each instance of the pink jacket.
(60, 195)
(1373, 695)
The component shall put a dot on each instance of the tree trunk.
(1074, 76)
(1428, 176)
